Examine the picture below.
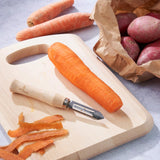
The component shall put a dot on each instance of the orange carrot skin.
(34, 147)
(62, 24)
(48, 122)
(28, 127)
(34, 137)
(9, 156)
(21, 118)
(40, 126)
(41, 151)
(72, 67)
(48, 12)
(50, 119)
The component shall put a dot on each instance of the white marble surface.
(13, 15)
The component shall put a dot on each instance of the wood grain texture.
(55, 100)
(87, 137)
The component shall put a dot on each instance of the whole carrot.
(60, 24)
(48, 12)
(72, 67)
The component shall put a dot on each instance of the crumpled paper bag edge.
(133, 72)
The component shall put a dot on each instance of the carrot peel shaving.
(34, 147)
(41, 139)
(34, 137)
(48, 122)
(8, 155)
(21, 118)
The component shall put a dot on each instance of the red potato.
(144, 29)
(131, 46)
(155, 15)
(124, 19)
(150, 52)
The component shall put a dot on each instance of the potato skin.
(124, 19)
(144, 29)
(150, 52)
(153, 14)
(130, 45)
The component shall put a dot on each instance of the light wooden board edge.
(126, 136)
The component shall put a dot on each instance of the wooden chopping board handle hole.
(27, 54)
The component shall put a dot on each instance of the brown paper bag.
(109, 47)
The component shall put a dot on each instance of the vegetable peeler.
(55, 100)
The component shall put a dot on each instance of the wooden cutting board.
(87, 137)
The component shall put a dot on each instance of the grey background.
(13, 15)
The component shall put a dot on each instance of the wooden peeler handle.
(55, 99)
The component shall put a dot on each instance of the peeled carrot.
(62, 24)
(34, 147)
(9, 156)
(48, 12)
(73, 68)
(34, 137)
(44, 123)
